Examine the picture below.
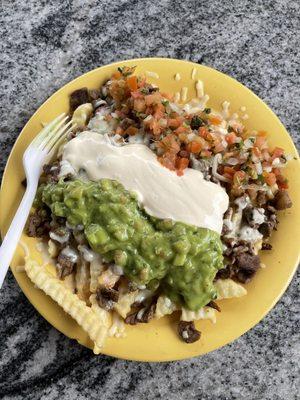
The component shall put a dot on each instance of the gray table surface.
(45, 44)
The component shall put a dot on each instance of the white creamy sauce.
(70, 253)
(60, 238)
(250, 234)
(188, 198)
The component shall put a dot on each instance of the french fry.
(82, 280)
(83, 315)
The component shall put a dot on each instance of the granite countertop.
(45, 44)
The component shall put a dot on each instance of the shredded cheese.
(177, 76)
(177, 97)
(152, 74)
(184, 92)
(194, 72)
(199, 89)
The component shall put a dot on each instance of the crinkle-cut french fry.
(82, 280)
(164, 306)
(117, 328)
(103, 315)
(71, 304)
(203, 313)
(52, 249)
(227, 288)
(123, 306)
(69, 282)
(96, 268)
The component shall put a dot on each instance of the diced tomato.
(230, 138)
(139, 105)
(132, 83)
(270, 178)
(182, 163)
(218, 147)
(259, 141)
(203, 132)
(229, 170)
(206, 153)
(131, 130)
(276, 171)
(169, 144)
(215, 120)
(167, 95)
(194, 147)
(282, 182)
(116, 75)
(277, 152)
(155, 127)
(180, 129)
(262, 133)
(174, 122)
(137, 94)
(153, 98)
(256, 152)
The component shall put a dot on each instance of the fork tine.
(60, 139)
(56, 136)
(48, 128)
(52, 133)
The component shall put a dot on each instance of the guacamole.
(180, 259)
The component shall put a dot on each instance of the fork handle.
(15, 230)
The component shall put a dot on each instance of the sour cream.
(188, 198)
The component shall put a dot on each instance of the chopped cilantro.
(261, 178)
(196, 122)
(207, 110)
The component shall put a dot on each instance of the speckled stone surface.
(45, 44)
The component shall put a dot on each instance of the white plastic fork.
(39, 150)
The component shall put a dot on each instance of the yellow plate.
(158, 341)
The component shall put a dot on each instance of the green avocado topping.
(181, 259)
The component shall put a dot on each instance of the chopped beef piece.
(51, 172)
(143, 314)
(106, 297)
(267, 227)
(60, 234)
(266, 246)
(261, 198)
(224, 273)
(248, 262)
(188, 332)
(126, 123)
(282, 200)
(213, 304)
(227, 251)
(78, 97)
(244, 276)
(271, 209)
(94, 94)
(196, 122)
(64, 265)
(247, 265)
(38, 224)
(240, 249)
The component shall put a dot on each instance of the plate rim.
(262, 103)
